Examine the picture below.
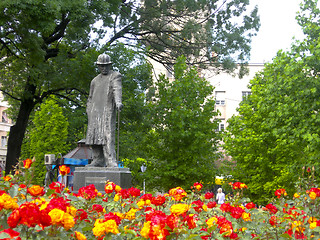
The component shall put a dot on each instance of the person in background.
(220, 196)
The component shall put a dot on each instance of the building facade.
(5, 125)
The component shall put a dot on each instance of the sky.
(278, 27)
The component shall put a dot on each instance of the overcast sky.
(278, 27)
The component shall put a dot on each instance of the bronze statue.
(104, 99)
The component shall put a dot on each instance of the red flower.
(112, 216)
(64, 170)
(273, 220)
(239, 185)
(97, 208)
(250, 205)
(124, 193)
(158, 200)
(109, 187)
(211, 204)
(88, 192)
(198, 206)
(146, 197)
(14, 218)
(208, 195)
(13, 234)
(27, 163)
(279, 192)
(56, 186)
(225, 207)
(197, 186)
(236, 212)
(273, 209)
(173, 221)
(59, 203)
(81, 215)
(134, 192)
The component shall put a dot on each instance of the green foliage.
(135, 168)
(277, 130)
(48, 136)
(182, 145)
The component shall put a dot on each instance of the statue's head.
(104, 63)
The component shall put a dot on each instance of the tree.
(276, 133)
(47, 47)
(48, 136)
(182, 145)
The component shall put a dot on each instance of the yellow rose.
(116, 198)
(246, 216)
(313, 195)
(211, 221)
(7, 202)
(72, 211)
(80, 236)
(68, 221)
(98, 230)
(146, 229)
(131, 214)
(111, 226)
(296, 195)
(56, 216)
(179, 209)
(313, 225)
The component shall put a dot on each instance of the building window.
(221, 126)
(4, 141)
(220, 97)
(4, 117)
(245, 94)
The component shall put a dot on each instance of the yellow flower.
(146, 229)
(211, 221)
(246, 216)
(296, 195)
(7, 202)
(116, 198)
(71, 210)
(313, 225)
(117, 188)
(140, 204)
(68, 221)
(120, 215)
(313, 195)
(80, 236)
(179, 209)
(111, 226)
(204, 207)
(56, 216)
(131, 214)
(98, 230)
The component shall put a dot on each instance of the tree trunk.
(18, 130)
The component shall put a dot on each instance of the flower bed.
(35, 212)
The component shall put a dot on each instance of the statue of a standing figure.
(104, 99)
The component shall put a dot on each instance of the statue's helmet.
(103, 59)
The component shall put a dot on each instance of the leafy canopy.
(276, 133)
(182, 144)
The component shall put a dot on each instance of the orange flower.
(64, 170)
(7, 178)
(36, 191)
(27, 163)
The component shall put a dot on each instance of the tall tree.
(48, 136)
(277, 131)
(183, 142)
(46, 45)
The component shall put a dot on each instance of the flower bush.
(35, 212)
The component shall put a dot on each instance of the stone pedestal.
(98, 176)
